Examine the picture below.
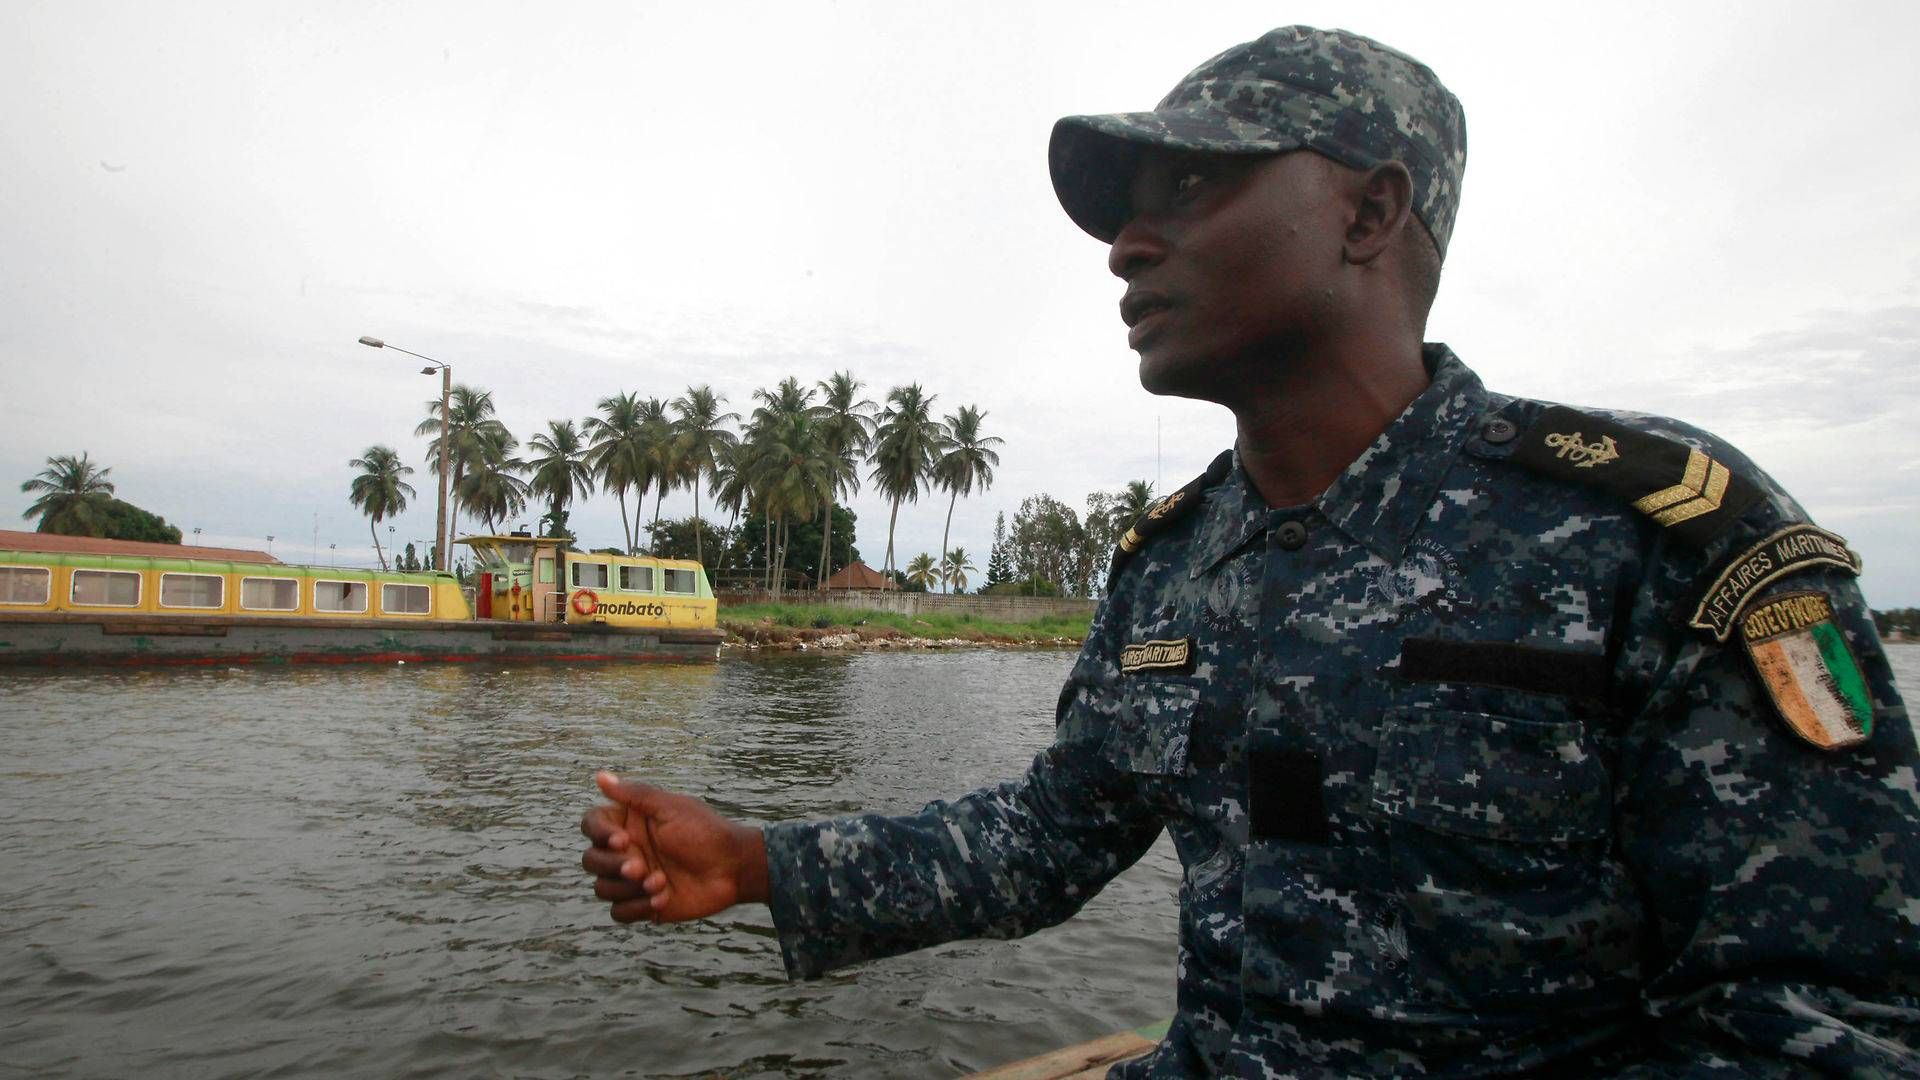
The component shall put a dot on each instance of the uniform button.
(1292, 536)
(1499, 430)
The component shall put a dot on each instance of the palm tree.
(618, 454)
(776, 439)
(904, 450)
(492, 487)
(969, 459)
(792, 477)
(1133, 501)
(732, 480)
(656, 453)
(73, 495)
(921, 571)
(560, 473)
(470, 422)
(699, 437)
(846, 429)
(953, 569)
(1118, 512)
(379, 491)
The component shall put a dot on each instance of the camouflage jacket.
(1458, 784)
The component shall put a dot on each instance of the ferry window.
(25, 584)
(636, 578)
(546, 571)
(404, 599)
(589, 575)
(339, 596)
(520, 553)
(269, 594)
(106, 588)
(682, 581)
(192, 590)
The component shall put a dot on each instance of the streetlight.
(440, 536)
(333, 555)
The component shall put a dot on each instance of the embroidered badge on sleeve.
(1795, 548)
(1808, 670)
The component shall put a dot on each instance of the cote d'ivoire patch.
(1174, 655)
(1797, 547)
(1808, 669)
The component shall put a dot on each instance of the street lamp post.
(440, 537)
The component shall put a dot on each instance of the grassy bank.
(832, 626)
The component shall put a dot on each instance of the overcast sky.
(1708, 211)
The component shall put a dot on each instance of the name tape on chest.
(1173, 655)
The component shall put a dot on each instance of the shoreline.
(766, 635)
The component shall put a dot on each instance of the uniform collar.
(1380, 499)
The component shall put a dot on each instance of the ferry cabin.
(44, 582)
(79, 600)
(524, 578)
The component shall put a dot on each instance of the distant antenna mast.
(316, 536)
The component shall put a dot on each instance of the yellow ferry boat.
(78, 600)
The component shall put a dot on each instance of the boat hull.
(73, 639)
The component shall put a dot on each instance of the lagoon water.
(375, 871)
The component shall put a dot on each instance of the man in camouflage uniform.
(1493, 736)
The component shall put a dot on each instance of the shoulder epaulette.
(1684, 490)
(1161, 516)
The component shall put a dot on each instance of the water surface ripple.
(374, 871)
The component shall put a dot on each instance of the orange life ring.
(585, 602)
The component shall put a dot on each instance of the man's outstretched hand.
(668, 858)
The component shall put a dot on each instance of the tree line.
(75, 498)
(792, 460)
(1049, 550)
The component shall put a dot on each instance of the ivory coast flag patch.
(1808, 669)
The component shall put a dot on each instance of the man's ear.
(1383, 204)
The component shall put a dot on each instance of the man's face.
(1228, 262)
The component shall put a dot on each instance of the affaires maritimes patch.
(1792, 549)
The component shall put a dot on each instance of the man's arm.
(1000, 862)
(1783, 880)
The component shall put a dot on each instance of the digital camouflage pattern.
(1456, 788)
(1346, 96)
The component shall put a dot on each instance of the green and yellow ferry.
(74, 600)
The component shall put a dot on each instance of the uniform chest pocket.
(1491, 777)
(1151, 724)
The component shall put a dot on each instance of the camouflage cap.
(1343, 95)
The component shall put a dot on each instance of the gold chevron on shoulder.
(1131, 542)
(1702, 487)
